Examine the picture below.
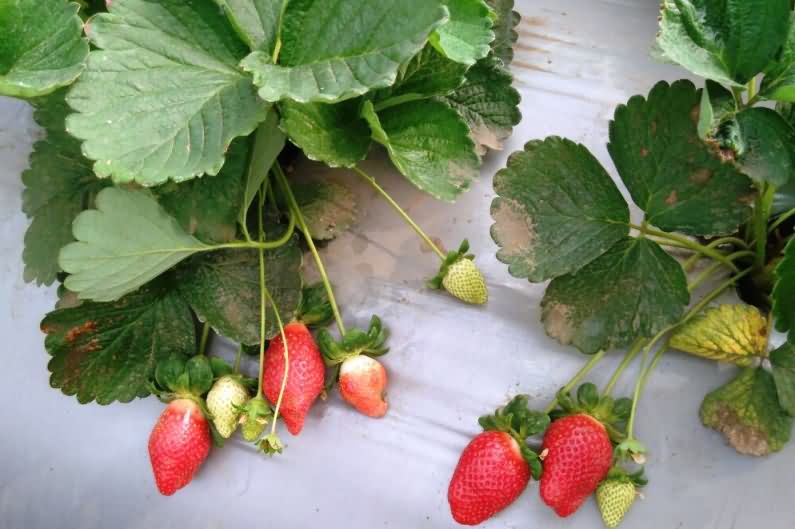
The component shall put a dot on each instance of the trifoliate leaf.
(729, 41)
(678, 180)
(269, 142)
(429, 144)
(208, 207)
(223, 288)
(59, 184)
(764, 144)
(162, 97)
(784, 292)
(634, 290)
(488, 103)
(779, 82)
(108, 351)
(339, 49)
(727, 333)
(717, 104)
(42, 47)
(557, 210)
(466, 37)
(329, 208)
(783, 362)
(504, 28)
(256, 21)
(428, 74)
(747, 412)
(333, 134)
(125, 242)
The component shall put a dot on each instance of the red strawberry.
(305, 378)
(490, 475)
(178, 445)
(578, 456)
(362, 384)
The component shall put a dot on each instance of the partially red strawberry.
(178, 445)
(363, 385)
(305, 376)
(497, 465)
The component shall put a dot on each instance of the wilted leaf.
(329, 208)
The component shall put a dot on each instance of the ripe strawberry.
(615, 497)
(305, 377)
(464, 281)
(178, 445)
(363, 383)
(578, 457)
(224, 401)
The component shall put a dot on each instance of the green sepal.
(619, 474)
(180, 377)
(200, 375)
(631, 449)
(168, 371)
(354, 343)
(612, 413)
(270, 445)
(255, 410)
(315, 309)
(452, 257)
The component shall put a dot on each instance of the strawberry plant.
(163, 200)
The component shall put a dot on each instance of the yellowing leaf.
(728, 333)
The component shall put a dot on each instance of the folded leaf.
(42, 46)
(728, 333)
(256, 21)
(783, 363)
(634, 290)
(466, 37)
(784, 292)
(162, 96)
(504, 28)
(121, 245)
(557, 210)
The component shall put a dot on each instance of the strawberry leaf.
(679, 181)
(467, 35)
(338, 49)
(108, 351)
(269, 142)
(59, 184)
(634, 290)
(747, 412)
(784, 292)
(42, 48)
(223, 289)
(505, 35)
(255, 21)
(783, 362)
(779, 81)
(557, 210)
(162, 96)
(728, 333)
(125, 242)
(428, 74)
(329, 208)
(717, 104)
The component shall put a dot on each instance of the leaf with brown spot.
(329, 208)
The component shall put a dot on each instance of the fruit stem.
(262, 291)
(784, 217)
(296, 211)
(764, 206)
(204, 338)
(286, 362)
(685, 243)
(401, 212)
(238, 356)
(628, 358)
(582, 373)
(688, 265)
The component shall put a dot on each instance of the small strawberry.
(497, 465)
(363, 384)
(461, 278)
(178, 445)
(254, 417)
(614, 498)
(305, 377)
(224, 401)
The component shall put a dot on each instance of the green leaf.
(223, 289)
(333, 134)
(329, 208)
(717, 104)
(108, 351)
(679, 181)
(504, 28)
(339, 49)
(488, 103)
(125, 242)
(779, 81)
(784, 292)
(42, 47)
(428, 74)
(466, 37)
(429, 145)
(269, 142)
(783, 362)
(747, 412)
(162, 96)
(557, 210)
(208, 207)
(727, 333)
(256, 21)
(634, 290)
(59, 184)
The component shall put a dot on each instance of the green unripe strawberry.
(464, 281)
(251, 429)
(224, 400)
(254, 417)
(615, 497)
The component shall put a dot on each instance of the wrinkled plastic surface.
(67, 466)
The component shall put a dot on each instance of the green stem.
(687, 243)
(402, 213)
(764, 207)
(296, 211)
(204, 338)
(582, 373)
(737, 92)
(238, 357)
(397, 100)
(255, 166)
(784, 217)
(707, 273)
(628, 358)
(262, 293)
(688, 265)
(286, 354)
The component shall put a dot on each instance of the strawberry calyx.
(611, 413)
(621, 475)
(520, 422)
(452, 257)
(270, 445)
(355, 342)
(254, 417)
(315, 310)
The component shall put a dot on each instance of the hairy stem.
(238, 357)
(582, 373)
(262, 292)
(204, 338)
(686, 243)
(627, 360)
(691, 262)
